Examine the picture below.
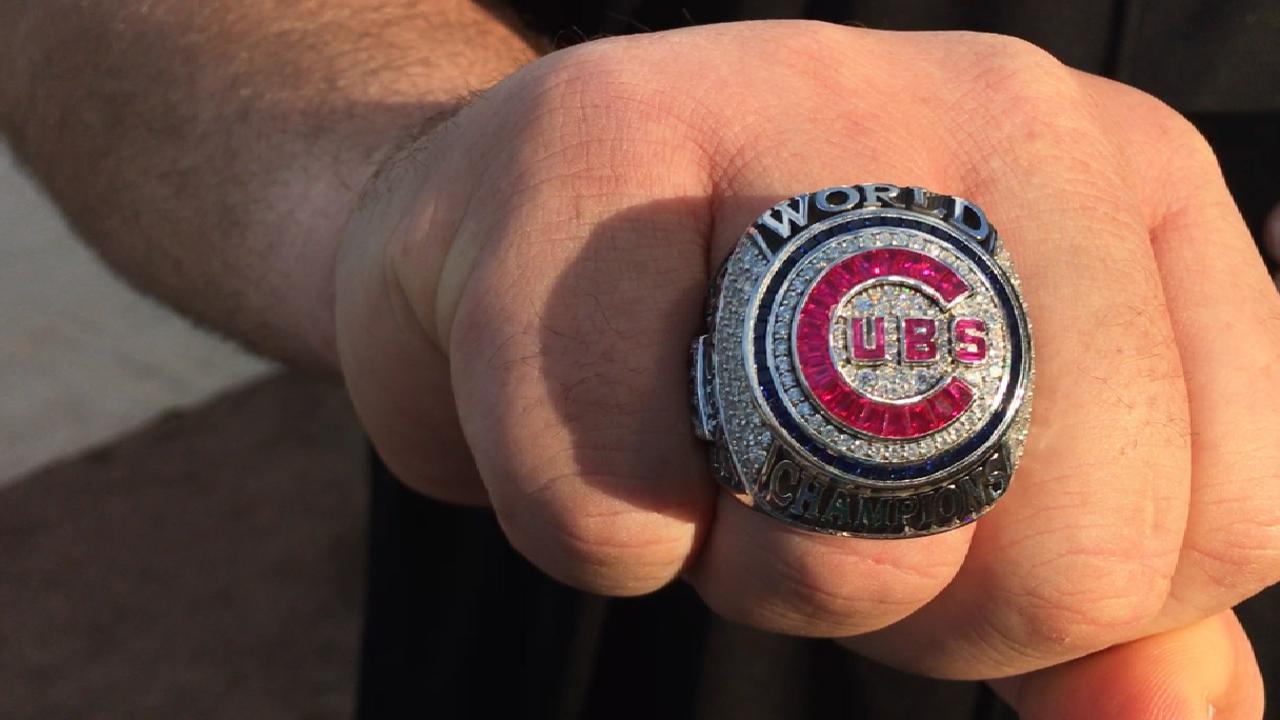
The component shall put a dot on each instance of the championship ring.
(867, 366)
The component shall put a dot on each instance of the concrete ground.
(208, 565)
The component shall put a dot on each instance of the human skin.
(513, 297)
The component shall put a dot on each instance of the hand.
(516, 296)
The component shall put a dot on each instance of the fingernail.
(1212, 711)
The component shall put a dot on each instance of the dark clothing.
(1197, 55)
(459, 625)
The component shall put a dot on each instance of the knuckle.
(1242, 555)
(1015, 66)
(611, 110)
(1186, 154)
(610, 89)
(805, 43)
(588, 527)
(802, 607)
(1011, 98)
(1175, 131)
(1190, 158)
(820, 589)
(598, 545)
(1080, 602)
(591, 69)
(1171, 144)
(816, 591)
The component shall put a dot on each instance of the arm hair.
(211, 151)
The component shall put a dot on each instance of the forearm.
(211, 151)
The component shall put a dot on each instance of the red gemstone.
(840, 278)
(857, 407)
(896, 422)
(811, 346)
(960, 392)
(816, 375)
(922, 420)
(859, 267)
(872, 418)
(820, 373)
(902, 262)
(827, 390)
(951, 286)
(815, 314)
(812, 325)
(943, 408)
(823, 295)
(878, 263)
(843, 407)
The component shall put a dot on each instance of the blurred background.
(181, 524)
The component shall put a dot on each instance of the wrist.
(214, 157)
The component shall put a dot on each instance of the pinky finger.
(1205, 670)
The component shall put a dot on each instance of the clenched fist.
(517, 295)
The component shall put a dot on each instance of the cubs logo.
(867, 366)
(845, 324)
(884, 344)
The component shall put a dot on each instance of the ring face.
(867, 368)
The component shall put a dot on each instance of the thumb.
(1205, 670)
